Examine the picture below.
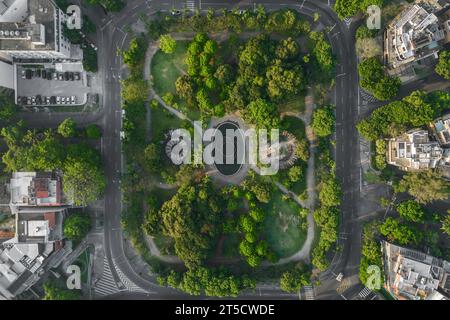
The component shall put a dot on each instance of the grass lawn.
(295, 104)
(162, 122)
(295, 126)
(282, 226)
(166, 68)
(83, 262)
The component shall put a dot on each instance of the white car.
(339, 277)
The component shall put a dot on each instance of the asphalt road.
(347, 156)
(346, 97)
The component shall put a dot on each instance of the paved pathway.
(304, 252)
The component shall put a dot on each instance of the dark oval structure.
(226, 168)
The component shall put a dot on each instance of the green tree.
(330, 193)
(167, 44)
(77, 226)
(93, 132)
(323, 121)
(7, 107)
(443, 67)
(373, 79)
(400, 233)
(302, 149)
(411, 210)
(446, 223)
(84, 182)
(53, 291)
(292, 280)
(295, 173)
(425, 186)
(263, 114)
(90, 63)
(134, 90)
(135, 53)
(67, 128)
(349, 8)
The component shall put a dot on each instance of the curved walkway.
(304, 252)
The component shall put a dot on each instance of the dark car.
(44, 74)
(28, 74)
(71, 76)
(38, 73)
(66, 75)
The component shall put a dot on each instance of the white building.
(414, 151)
(413, 275)
(38, 36)
(38, 243)
(417, 33)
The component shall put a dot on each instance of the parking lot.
(47, 87)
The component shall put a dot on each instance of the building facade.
(416, 33)
(413, 275)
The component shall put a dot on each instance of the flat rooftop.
(41, 19)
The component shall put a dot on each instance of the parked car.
(49, 75)
(60, 76)
(44, 74)
(55, 76)
(176, 12)
(23, 74)
(52, 100)
(77, 76)
(58, 100)
(72, 99)
(71, 76)
(38, 73)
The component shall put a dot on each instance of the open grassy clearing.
(282, 226)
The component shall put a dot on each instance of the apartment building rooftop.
(415, 34)
(414, 151)
(37, 243)
(35, 189)
(413, 275)
(37, 32)
(441, 129)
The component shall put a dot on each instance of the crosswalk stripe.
(106, 285)
(365, 292)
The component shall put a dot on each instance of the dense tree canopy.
(446, 223)
(67, 128)
(349, 8)
(7, 107)
(53, 291)
(292, 280)
(425, 186)
(443, 67)
(373, 79)
(398, 232)
(395, 118)
(411, 210)
(76, 226)
(323, 121)
(263, 114)
(167, 44)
